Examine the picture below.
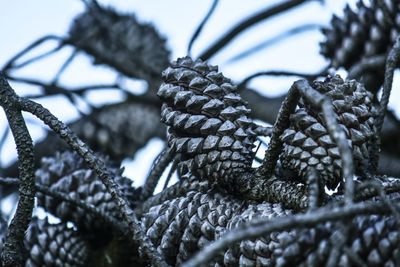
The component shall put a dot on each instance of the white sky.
(24, 21)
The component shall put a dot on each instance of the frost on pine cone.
(54, 245)
(307, 141)
(134, 49)
(68, 174)
(368, 31)
(208, 121)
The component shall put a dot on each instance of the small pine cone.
(307, 141)
(68, 174)
(119, 40)
(110, 129)
(54, 245)
(374, 239)
(368, 31)
(208, 121)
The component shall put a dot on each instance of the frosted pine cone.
(54, 245)
(68, 174)
(133, 48)
(208, 121)
(368, 31)
(307, 141)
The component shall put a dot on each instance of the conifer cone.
(307, 141)
(109, 130)
(54, 245)
(374, 239)
(119, 40)
(68, 174)
(182, 226)
(208, 121)
(368, 31)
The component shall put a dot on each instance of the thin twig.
(274, 40)
(13, 248)
(10, 62)
(201, 25)
(236, 30)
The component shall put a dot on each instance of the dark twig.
(281, 123)
(260, 227)
(13, 248)
(243, 25)
(159, 165)
(36, 43)
(391, 64)
(201, 25)
(274, 40)
(307, 76)
(366, 64)
(104, 174)
(313, 188)
(64, 66)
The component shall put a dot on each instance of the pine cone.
(110, 129)
(54, 245)
(132, 48)
(68, 174)
(182, 226)
(363, 33)
(374, 239)
(209, 124)
(307, 141)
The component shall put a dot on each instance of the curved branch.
(236, 30)
(13, 249)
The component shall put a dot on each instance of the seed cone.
(182, 226)
(208, 121)
(133, 48)
(368, 31)
(54, 245)
(68, 174)
(373, 239)
(307, 142)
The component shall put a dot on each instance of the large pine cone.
(68, 174)
(307, 141)
(363, 33)
(208, 121)
(134, 49)
(182, 226)
(54, 245)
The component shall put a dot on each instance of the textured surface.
(307, 141)
(367, 31)
(134, 49)
(68, 174)
(208, 121)
(110, 129)
(54, 245)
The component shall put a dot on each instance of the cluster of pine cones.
(210, 129)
